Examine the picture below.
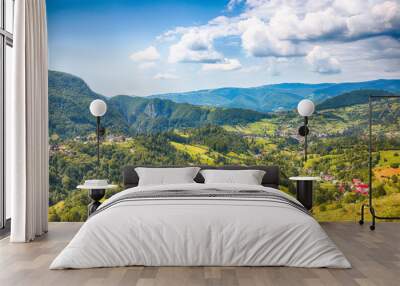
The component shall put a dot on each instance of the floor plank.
(375, 257)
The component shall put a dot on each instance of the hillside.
(69, 100)
(276, 96)
(155, 115)
(70, 97)
(351, 98)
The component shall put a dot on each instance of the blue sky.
(149, 47)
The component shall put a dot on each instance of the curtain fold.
(27, 122)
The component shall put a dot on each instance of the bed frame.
(270, 179)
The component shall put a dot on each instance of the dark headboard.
(271, 177)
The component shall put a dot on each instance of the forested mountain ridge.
(145, 115)
(70, 97)
(352, 98)
(69, 100)
(276, 96)
(390, 85)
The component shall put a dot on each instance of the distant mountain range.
(276, 96)
(70, 97)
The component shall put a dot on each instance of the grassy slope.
(385, 206)
(196, 152)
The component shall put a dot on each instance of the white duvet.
(194, 231)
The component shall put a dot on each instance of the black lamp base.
(305, 193)
(96, 195)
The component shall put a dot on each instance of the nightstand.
(96, 193)
(304, 191)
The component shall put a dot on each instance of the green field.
(389, 157)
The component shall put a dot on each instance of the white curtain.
(27, 124)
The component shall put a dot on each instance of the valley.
(162, 132)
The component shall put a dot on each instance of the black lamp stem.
(98, 144)
(305, 139)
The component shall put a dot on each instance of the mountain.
(352, 98)
(70, 97)
(390, 85)
(69, 100)
(152, 115)
(259, 98)
(275, 96)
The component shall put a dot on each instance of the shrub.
(53, 216)
(350, 197)
(378, 191)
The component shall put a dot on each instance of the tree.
(378, 191)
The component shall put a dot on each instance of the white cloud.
(194, 46)
(232, 4)
(225, 65)
(347, 7)
(286, 29)
(167, 36)
(382, 18)
(322, 24)
(326, 19)
(322, 62)
(258, 41)
(166, 76)
(147, 55)
(180, 53)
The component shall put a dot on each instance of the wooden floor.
(375, 257)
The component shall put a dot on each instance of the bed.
(197, 224)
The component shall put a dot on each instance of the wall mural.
(218, 82)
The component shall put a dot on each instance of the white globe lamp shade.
(306, 107)
(98, 107)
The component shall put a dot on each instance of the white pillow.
(248, 177)
(166, 176)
